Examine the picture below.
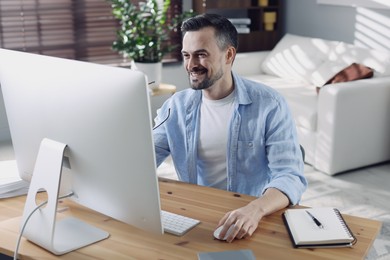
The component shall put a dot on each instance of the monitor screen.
(102, 114)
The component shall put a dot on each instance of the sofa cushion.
(300, 97)
(296, 57)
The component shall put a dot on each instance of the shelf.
(257, 41)
(261, 36)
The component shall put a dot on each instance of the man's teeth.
(197, 72)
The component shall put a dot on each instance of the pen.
(318, 223)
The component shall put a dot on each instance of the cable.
(28, 218)
(169, 113)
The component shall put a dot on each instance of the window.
(74, 29)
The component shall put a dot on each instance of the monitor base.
(43, 229)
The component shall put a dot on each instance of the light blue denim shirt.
(262, 149)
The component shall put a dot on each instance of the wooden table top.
(163, 89)
(270, 241)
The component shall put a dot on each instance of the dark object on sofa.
(354, 71)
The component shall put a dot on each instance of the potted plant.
(143, 33)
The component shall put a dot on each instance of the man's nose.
(190, 63)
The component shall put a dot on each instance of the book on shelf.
(244, 20)
(318, 227)
(241, 24)
(243, 29)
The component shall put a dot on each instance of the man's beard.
(207, 81)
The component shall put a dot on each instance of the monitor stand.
(43, 229)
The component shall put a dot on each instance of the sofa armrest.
(353, 125)
(249, 63)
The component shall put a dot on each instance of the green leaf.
(144, 29)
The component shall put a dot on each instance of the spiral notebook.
(318, 227)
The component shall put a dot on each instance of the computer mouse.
(218, 231)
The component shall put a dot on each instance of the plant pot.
(153, 72)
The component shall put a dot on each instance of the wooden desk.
(270, 241)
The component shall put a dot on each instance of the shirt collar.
(242, 93)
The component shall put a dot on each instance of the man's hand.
(247, 218)
(245, 221)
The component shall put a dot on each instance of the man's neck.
(220, 89)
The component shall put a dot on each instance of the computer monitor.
(102, 114)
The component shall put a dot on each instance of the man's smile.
(198, 71)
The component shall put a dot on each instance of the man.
(227, 132)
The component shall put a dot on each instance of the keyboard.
(177, 224)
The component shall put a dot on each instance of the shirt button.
(250, 144)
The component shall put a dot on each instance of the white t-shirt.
(215, 116)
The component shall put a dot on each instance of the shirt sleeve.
(284, 153)
(159, 134)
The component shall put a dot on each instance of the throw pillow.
(296, 57)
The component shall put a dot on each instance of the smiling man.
(227, 132)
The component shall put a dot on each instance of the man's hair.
(225, 32)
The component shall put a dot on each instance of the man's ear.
(230, 55)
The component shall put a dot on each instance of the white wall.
(369, 27)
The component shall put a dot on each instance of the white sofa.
(344, 126)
